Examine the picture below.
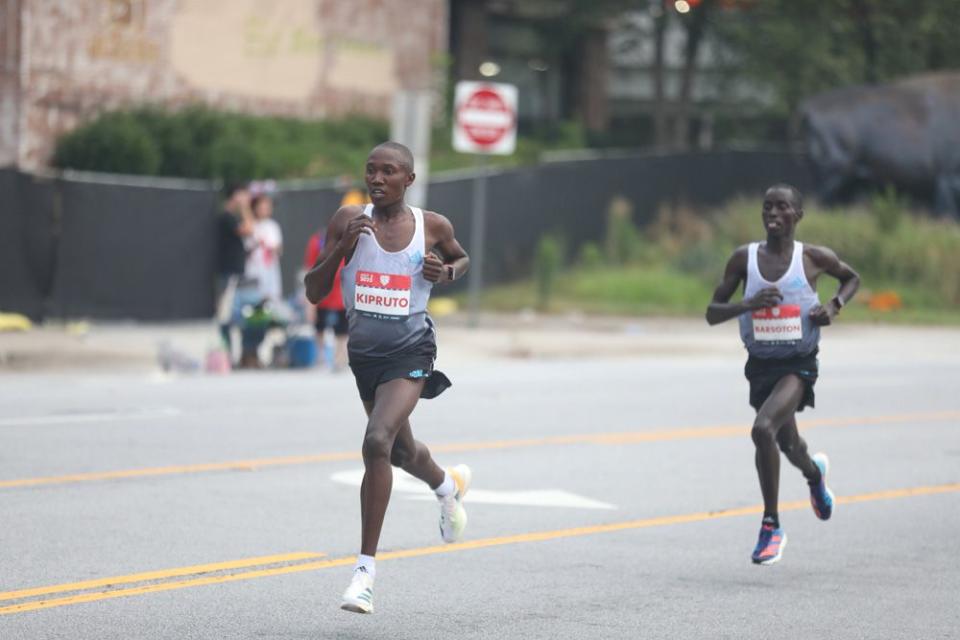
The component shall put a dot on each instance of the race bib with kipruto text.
(385, 296)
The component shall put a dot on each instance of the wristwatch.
(838, 301)
(450, 272)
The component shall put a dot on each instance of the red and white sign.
(485, 118)
(776, 324)
(383, 295)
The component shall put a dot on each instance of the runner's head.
(388, 173)
(782, 210)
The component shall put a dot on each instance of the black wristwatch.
(450, 272)
(838, 302)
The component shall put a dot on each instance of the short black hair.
(230, 188)
(795, 193)
(402, 149)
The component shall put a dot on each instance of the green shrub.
(591, 257)
(887, 208)
(548, 263)
(919, 253)
(623, 243)
(197, 142)
(115, 143)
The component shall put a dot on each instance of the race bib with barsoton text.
(776, 324)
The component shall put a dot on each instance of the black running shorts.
(764, 374)
(414, 363)
(332, 319)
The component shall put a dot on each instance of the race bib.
(777, 324)
(385, 296)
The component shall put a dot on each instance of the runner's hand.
(432, 268)
(821, 315)
(360, 224)
(765, 298)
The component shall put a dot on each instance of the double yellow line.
(155, 581)
(615, 438)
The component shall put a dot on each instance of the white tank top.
(786, 330)
(385, 294)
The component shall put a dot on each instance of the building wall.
(305, 58)
(9, 81)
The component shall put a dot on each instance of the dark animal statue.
(905, 134)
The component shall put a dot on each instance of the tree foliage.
(800, 48)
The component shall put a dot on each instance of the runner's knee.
(764, 431)
(376, 444)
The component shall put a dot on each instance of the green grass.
(671, 266)
(619, 291)
(664, 291)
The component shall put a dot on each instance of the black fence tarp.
(28, 231)
(135, 251)
(132, 248)
(572, 198)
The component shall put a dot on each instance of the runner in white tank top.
(394, 254)
(780, 318)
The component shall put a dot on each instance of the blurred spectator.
(263, 261)
(234, 226)
(330, 313)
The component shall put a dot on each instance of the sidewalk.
(120, 347)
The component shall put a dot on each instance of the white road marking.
(413, 489)
(77, 418)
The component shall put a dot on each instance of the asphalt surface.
(614, 497)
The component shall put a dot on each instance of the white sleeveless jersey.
(385, 294)
(786, 330)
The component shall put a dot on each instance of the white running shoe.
(453, 517)
(358, 597)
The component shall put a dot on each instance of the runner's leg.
(414, 457)
(392, 406)
(795, 448)
(775, 412)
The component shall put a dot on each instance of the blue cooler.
(303, 351)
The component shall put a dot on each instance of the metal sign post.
(478, 230)
(484, 123)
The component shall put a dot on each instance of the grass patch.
(673, 264)
(632, 290)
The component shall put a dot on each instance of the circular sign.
(485, 117)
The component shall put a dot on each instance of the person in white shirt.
(263, 260)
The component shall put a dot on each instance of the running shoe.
(820, 495)
(770, 545)
(453, 517)
(358, 597)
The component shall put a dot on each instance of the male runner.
(780, 319)
(390, 266)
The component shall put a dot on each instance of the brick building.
(64, 61)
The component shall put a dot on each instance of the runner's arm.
(342, 233)
(721, 309)
(453, 261)
(828, 261)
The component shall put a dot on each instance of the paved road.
(614, 497)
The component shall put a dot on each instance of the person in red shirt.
(330, 312)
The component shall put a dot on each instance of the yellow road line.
(482, 543)
(158, 575)
(627, 437)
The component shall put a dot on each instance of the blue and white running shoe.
(820, 495)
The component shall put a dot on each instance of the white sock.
(447, 487)
(369, 564)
